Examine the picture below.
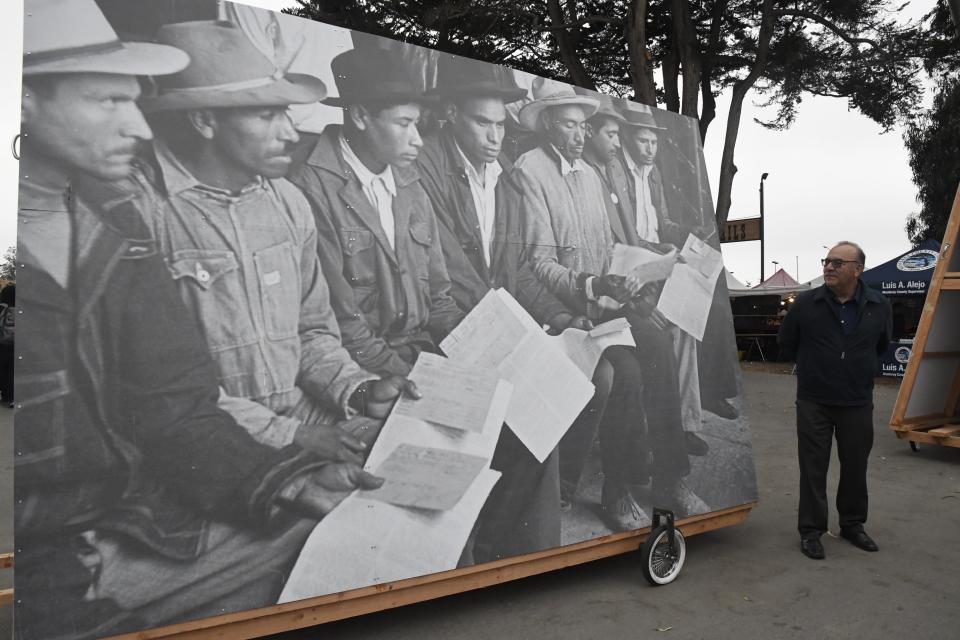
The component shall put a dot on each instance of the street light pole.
(762, 178)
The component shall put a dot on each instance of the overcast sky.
(834, 175)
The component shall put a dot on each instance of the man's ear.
(588, 130)
(204, 122)
(358, 115)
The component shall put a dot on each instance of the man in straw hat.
(568, 234)
(378, 234)
(138, 502)
(229, 218)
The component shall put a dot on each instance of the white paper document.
(454, 395)
(641, 263)
(549, 390)
(401, 428)
(425, 478)
(584, 348)
(365, 542)
(688, 293)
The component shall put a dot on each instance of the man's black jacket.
(833, 368)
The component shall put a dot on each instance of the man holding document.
(570, 244)
(643, 215)
(477, 207)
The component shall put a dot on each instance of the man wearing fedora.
(568, 234)
(138, 502)
(378, 235)
(240, 243)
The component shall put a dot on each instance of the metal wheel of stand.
(663, 552)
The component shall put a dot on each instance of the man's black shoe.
(812, 548)
(861, 540)
(723, 409)
(696, 446)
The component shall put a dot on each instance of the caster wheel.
(913, 446)
(660, 565)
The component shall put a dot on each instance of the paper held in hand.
(551, 376)
(641, 263)
(426, 478)
(688, 293)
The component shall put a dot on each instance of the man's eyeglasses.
(837, 263)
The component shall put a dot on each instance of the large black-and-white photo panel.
(305, 310)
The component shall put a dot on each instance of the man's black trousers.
(817, 425)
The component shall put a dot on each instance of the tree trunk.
(640, 71)
(685, 44)
(709, 109)
(567, 46)
(740, 90)
(671, 74)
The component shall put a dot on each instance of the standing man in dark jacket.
(138, 502)
(836, 332)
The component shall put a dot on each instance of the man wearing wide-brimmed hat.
(569, 236)
(138, 502)
(477, 204)
(378, 235)
(645, 213)
(229, 219)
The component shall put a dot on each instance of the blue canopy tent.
(904, 280)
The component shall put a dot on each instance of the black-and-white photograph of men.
(304, 310)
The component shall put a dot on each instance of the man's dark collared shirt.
(847, 312)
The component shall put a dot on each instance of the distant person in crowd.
(644, 221)
(378, 236)
(241, 244)
(477, 203)
(568, 236)
(137, 501)
(836, 332)
(8, 319)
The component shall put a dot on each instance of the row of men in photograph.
(308, 272)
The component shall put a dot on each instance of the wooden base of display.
(314, 611)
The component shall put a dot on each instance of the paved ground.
(748, 581)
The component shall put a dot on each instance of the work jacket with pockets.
(444, 177)
(384, 298)
(834, 368)
(118, 427)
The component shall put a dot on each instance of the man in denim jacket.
(241, 244)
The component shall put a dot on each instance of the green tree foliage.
(857, 50)
(8, 267)
(934, 146)
(933, 140)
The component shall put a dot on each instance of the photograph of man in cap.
(569, 238)
(241, 244)
(138, 502)
(378, 235)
